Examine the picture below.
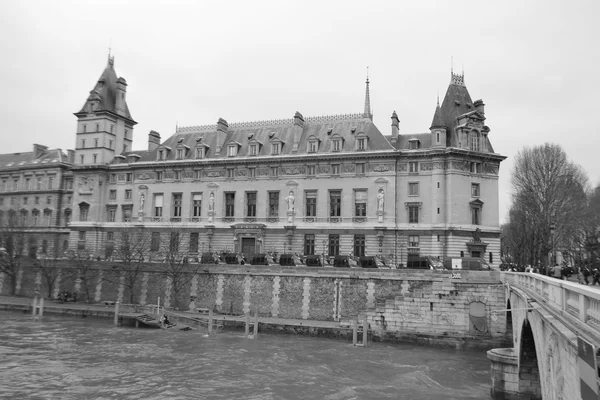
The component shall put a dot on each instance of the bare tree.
(178, 271)
(13, 232)
(549, 200)
(83, 270)
(49, 270)
(130, 259)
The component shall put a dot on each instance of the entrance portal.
(248, 247)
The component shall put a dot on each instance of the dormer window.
(475, 141)
(199, 152)
(180, 154)
(232, 150)
(253, 150)
(414, 144)
(161, 155)
(313, 146)
(336, 145)
(275, 148)
(361, 141)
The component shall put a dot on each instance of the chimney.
(71, 156)
(153, 140)
(479, 106)
(395, 127)
(39, 150)
(297, 129)
(222, 127)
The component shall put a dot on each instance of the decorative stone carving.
(382, 168)
(350, 168)
(323, 169)
(262, 171)
(86, 185)
(188, 174)
(169, 175)
(439, 165)
(293, 170)
(402, 167)
(144, 176)
(426, 166)
(214, 174)
(240, 172)
(290, 200)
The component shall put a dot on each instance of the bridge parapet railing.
(579, 301)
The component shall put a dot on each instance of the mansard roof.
(45, 157)
(323, 128)
(105, 92)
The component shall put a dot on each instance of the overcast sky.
(535, 64)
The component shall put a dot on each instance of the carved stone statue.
(142, 201)
(211, 201)
(477, 235)
(290, 201)
(380, 200)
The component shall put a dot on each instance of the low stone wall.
(421, 305)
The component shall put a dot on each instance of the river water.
(74, 358)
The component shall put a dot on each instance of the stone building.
(36, 190)
(311, 185)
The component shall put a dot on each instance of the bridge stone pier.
(555, 329)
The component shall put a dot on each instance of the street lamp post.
(553, 255)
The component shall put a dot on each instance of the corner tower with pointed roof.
(104, 123)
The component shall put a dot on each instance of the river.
(74, 358)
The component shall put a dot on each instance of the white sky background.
(535, 64)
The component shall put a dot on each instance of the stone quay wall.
(436, 307)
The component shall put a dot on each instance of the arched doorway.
(529, 372)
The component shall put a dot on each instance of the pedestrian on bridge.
(596, 274)
(557, 272)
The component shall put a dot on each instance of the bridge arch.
(529, 371)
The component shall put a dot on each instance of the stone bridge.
(555, 329)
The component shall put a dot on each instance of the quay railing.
(568, 298)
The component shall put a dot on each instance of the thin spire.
(368, 113)
(111, 58)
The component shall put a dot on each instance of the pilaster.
(144, 292)
(98, 295)
(275, 302)
(247, 293)
(219, 299)
(306, 299)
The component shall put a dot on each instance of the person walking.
(585, 271)
(596, 275)
(556, 272)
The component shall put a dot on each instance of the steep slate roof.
(49, 157)
(323, 128)
(423, 138)
(105, 91)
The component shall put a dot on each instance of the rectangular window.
(251, 204)
(200, 152)
(311, 170)
(413, 188)
(161, 155)
(159, 175)
(83, 143)
(27, 184)
(110, 236)
(335, 169)
(113, 178)
(37, 200)
(274, 171)
(360, 144)
(474, 189)
(230, 172)
(313, 146)
(251, 172)
(194, 236)
(48, 199)
(126, 213)
(174, 242)
(230, 204)
(413, 167)
(413, 214)
(16, 184)
(128, 194)
(97, 129)
(129, 177)
(275, 147)
(82, 236)
(179, 154)
(25, 200)
(96, 141)
(198, 174)
(39, 184)
(360, 203)
(335, 203)
(475, 215)
(413, 241)
(50, 183)
(309, 244)
(158, 205)
(334, 245)
(360, 168)
(112, 214)
(82, 157)
(196, 204)
(110, 144)
(232, 151)
(475, 167)
(336, 145)
(176, 205)
(491, 257)
(253, 149)
(311, 203)
(273, 204)
(359, 245)
(112, 195)
(155, 241)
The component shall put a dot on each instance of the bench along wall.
(432, 306)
